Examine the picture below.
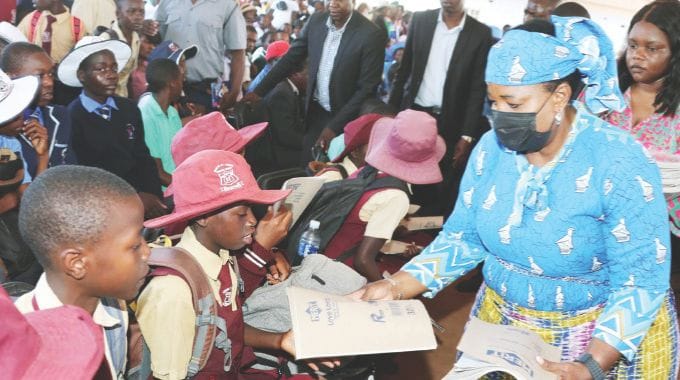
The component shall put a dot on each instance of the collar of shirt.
(210, 262)
(333, 29)
(37, 111)
(61, 17)
(135, 36)
(349, 165)
(92, 105)
(47, 299)
(455, 29)
(154, 107)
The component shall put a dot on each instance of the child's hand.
(37, 134)
(272, 229)
(411, 251)
(280, 270)
(153, 207)
(288, 345)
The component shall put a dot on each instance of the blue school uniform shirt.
(587, 229)
(92, 105)
(15, 146)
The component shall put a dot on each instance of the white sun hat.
(16, 95)
(88, 45)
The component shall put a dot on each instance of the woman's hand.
(566, 370)
(374, 291)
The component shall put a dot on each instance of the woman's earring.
(558, 118)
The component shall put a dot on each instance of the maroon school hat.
(357, 133)
(60, 343)
(210, 180)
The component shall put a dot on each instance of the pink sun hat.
(407, 147)
(212, 131)
(210, 180)
(60, 343)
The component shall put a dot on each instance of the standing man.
(539, 9)
(346, 54)
(442, 73)
(217, 27)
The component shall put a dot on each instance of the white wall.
(612, 15)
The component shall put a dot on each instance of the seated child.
(15, 95)
(161, 120)
(407, 148)
(108, 131)
(138, 77)
(353, 156)
(85, 227)
(22, 59)
(213, 192)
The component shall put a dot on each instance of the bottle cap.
(314, 224)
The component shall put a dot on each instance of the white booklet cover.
(488, 347)
(326, 325)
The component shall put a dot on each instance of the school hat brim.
(252, 132)
(68, 68)
(386, 153)
(22, 91)
(10, 33)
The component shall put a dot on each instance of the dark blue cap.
(170, 50)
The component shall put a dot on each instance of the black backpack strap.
(342, 170)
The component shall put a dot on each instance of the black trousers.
(439, 198)
(317, 119)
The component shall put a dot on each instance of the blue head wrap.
(524, 58)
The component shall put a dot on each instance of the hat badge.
(228, 179)
(173, 47)
(6, 86)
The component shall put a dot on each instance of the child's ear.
(73, 263)
(81, 76)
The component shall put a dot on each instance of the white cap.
(314, 224)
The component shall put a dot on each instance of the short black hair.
(155, 39)
(664, 14)
(15, 54)
(160, 72)
(68, 204)
(571, 9)
(250, 29)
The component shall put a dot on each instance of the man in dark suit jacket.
(442, 73)
(346, 54)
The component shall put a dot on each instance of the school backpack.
(211, 329)
(331, 205)
(76, 27)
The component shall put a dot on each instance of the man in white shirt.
(442, 73)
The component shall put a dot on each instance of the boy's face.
(176, 88)
(232, 228)
(43, 5)
(100, 75)
(145, 47)
(251, 41)
(41, 65)
(116, 264)
(131, 15)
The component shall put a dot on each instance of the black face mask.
(517, 130)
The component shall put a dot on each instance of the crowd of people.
(127, 125)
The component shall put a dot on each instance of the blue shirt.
(14, 145)
(92, 105)
(587, 229)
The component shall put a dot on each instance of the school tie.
(47, 35)
(105, 112)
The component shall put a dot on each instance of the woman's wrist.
(394, 285)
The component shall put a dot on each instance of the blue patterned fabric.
(587, 228)
(330, 49)
(524, 58)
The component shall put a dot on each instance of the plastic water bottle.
(310, 240)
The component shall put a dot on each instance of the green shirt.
(159, 129)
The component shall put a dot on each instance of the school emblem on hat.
(5, 86)
(228, 180)
(173, 47)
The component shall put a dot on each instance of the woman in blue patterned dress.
(565, 211)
